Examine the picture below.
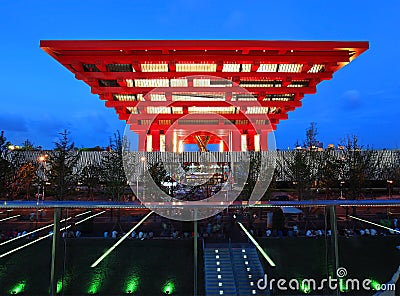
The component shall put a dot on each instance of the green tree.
(159, 174)
(311, 136)
(358, 165)
(299, 169)
(112, 172)
(6, 166)
(23, 178)
(90, 177)
(329, 171)
(29, 146)
(63, 160)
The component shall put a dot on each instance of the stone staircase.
(232, 270)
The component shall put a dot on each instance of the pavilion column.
(175, 141)
(264, 141)
(141, 140)
(55, 251)
(235, 141)
(155, 140)
(250, 140)
(243, 142)
(162, 142)
(221, 146)
(149, 143)
(257, 146)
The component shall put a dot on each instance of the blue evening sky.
(40, 97)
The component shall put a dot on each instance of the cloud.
(352, 100)
(13, 122)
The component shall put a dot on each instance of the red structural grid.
(147, 77)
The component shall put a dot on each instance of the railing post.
(195, 252)
(56, 238)
(332, 210)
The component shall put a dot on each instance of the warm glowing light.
(243, 142)
(231, 68)
(154, 67)
(149, 143)
(317, 68)
(267, 68)
(290, 68)
(119, 241)
(175, 142)
(151, 82)
(196, 67)
(179, 82)
(257, 146)
(212, 110)
(162, 143)
(221, 146)
(180, 146)
(269, 260)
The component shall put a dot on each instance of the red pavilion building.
(227, 92)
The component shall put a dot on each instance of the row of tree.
(308, 170)
(353, 168)
(58, 171)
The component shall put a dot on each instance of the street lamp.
(143, 160)
(341, 189)
(42, 160)
(390, 182)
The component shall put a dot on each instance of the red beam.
(227, 75)
(137, 117)
(315, 57)
(199, 90)
(186, 104)
(170, 45)
(228, 127)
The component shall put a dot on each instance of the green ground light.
(375, 285)
(97, 279)
(18, 288)
(59, 286)
(342, 286)
(304, 287)
(132, 284)
(169, 288)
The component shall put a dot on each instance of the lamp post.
(42, 160)
(390, 183)
(143, 160)
(341, 189)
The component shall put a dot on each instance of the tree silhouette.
(63, 160)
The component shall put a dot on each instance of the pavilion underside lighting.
(176, 78)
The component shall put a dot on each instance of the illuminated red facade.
(155, 84)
